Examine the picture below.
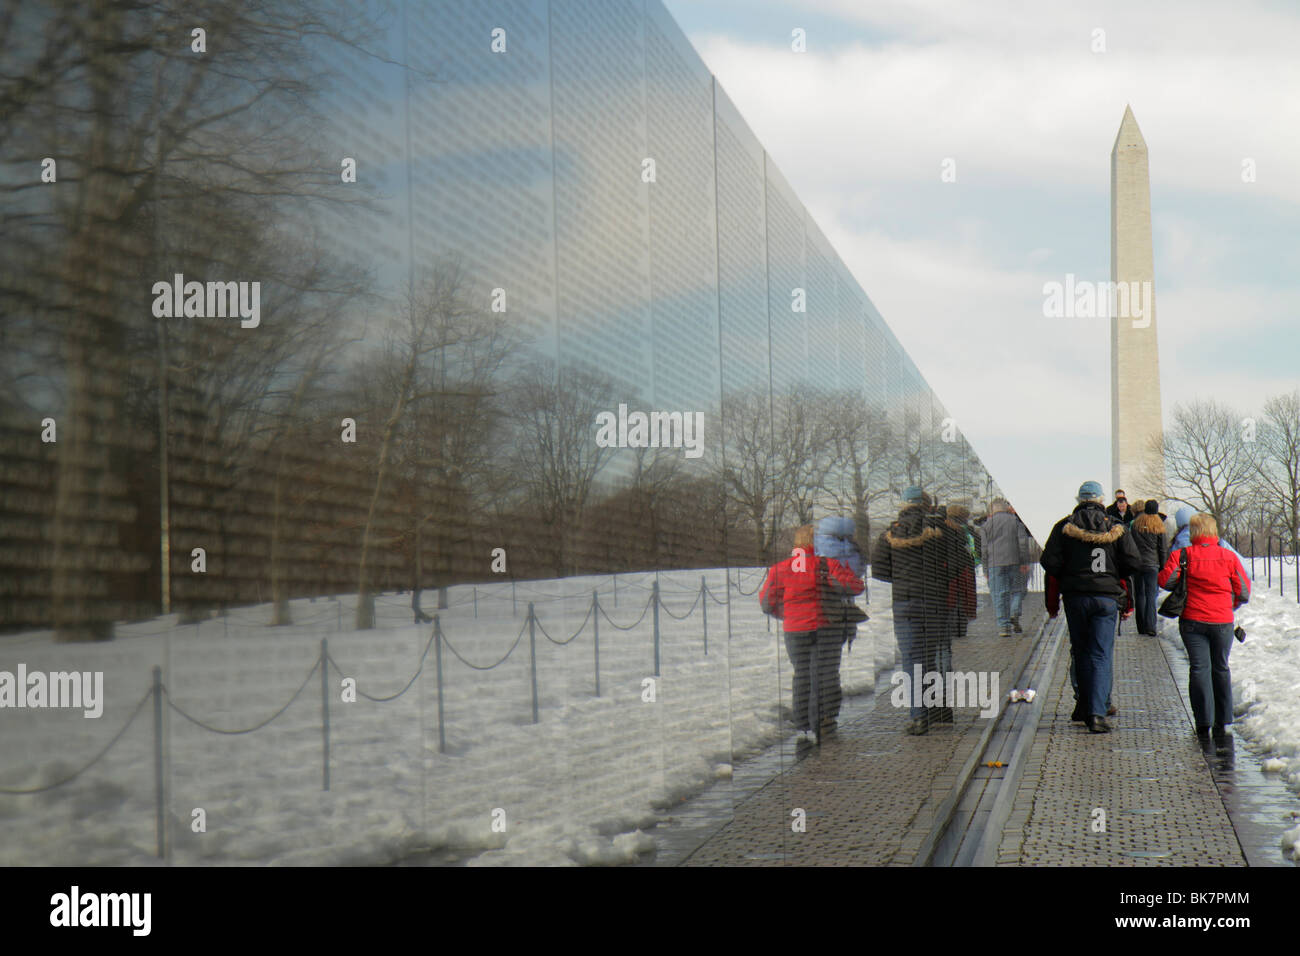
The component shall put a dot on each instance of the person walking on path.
(790, 592)
(911, 557)
(835, 539)
(1183, 535)
(1148, 531)
(1217, 585)
(1087, 556)
(1007, 545)
(1119, 507)
(961, 593)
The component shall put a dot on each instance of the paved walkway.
(1146, 794)
(873, 795)
(1143, 795)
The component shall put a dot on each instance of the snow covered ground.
(575, 787)
(572, 788)
(1266, 678)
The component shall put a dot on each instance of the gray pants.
(816, 691)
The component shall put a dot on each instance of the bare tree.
(1278, 478)
(1208, 464)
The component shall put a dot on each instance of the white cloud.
(1014, 95)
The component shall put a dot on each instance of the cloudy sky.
(1014, 94)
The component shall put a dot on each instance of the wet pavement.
(1147, 794)
(872, 795)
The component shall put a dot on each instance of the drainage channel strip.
(970, 833)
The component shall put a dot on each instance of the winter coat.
(794, 582)
(834, 539)
(1127, 517)
(1151, 545)
(1070, 555)
(913, 556)
(961, 583)
(1216, 582)
(1007, 541)
(1183, 536)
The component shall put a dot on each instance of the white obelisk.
(1135, 415)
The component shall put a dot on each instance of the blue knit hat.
(1090, 491)
(913, 495)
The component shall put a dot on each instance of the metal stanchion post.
(654, 596)
(158, 758)
(325, 713)
(532, 654)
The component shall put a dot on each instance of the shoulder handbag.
(772, 600)
(836, 607)
(1172, 606)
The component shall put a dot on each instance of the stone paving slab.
(1149, 779)
(872, 795)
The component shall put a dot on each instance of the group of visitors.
(928, 555)
(1103, 563)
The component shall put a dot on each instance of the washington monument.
(1135, 416)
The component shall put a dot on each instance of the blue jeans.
(1005, 583)
(1144, 600)
(922, 639)
(1091, 619)
(1209, 681)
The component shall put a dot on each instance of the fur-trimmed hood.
(1091, 524)
(915, 541)
(1092, 537)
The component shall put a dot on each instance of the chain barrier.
(715, 599)
(94, 760)
(489, 667)
(328, 660)
(248, 730)
(629, 627)
(573, 637)
(418, 670)
(699, 593)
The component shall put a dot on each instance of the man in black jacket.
(1087, 557)
(1119, 508)
(913, 557)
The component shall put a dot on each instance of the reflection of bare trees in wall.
(436, 378)
(152, 139)
(860, 440)
(750, 469)
(554, 457)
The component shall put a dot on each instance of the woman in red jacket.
(1216, 586)
(813, 647)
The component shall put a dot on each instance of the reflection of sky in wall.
(489, 163)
